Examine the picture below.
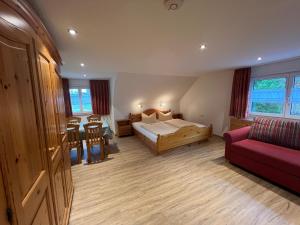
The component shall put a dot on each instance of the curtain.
(239, 94)
(100, 96)
(67, 99)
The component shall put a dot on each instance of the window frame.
(290, 87)
(290, 79)
(80, 101)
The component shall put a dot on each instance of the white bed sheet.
(179, 123)
(161, 128)
(148, 134)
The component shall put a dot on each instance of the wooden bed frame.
(183, 136)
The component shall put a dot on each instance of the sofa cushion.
(276, 131)
(278, 157)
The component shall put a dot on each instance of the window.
(268, 96)
(81, 100)
(295, 97)
(275, 96)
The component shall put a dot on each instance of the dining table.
(107, 133)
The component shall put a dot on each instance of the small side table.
(124, 128)
(177, 116)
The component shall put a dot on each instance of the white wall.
(148, 90)
(78, 83)
(204, 99)
(112, 83)
(287, 66)
(208, 100)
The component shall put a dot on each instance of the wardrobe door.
(65, 150)
(23, 156)
(52, 135)
(59, 96)
(48, 102)
(3, 203)
(67, 170)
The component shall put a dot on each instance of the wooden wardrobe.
(35, 170)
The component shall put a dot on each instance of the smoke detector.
(173, 4)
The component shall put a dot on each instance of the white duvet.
(161, 128)
(168, 127)
(182, 123)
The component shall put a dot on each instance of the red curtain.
(100, 96)
(239, 94)
(68, 106)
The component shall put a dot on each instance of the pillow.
(165, 116)
(149, 119)
(276, 131)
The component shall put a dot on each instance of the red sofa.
(275, 163)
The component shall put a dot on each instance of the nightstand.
(124, 128)
(177, 116)
(239, 123)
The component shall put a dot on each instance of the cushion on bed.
(149, 119)
(165, 116)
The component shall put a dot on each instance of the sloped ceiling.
(142, 37)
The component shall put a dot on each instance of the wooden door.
(23, 153)
(48, 102)
(53, 135)
(67, 171)
(59, 97)
(3, 203)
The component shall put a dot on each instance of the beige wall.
(148, 90)
(208, 100)
(204, 99)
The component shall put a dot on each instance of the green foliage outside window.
(275, 83)
(267, 107)
(268, 95)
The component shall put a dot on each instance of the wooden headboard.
(138, 117)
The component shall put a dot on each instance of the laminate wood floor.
(190, 185)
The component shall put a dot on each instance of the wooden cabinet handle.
(51, 149)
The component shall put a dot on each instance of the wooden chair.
(74, 139)
(94, 118)
(73, 120)
(94, 136)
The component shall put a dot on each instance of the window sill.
(82, 114)
(252, 116)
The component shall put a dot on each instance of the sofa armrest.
(235, 136)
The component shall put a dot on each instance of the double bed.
(164, 135)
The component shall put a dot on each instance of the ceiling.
(142, 37)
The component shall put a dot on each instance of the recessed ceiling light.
(203, 47)
(84, 75)
(72, 32)
(82, 64)
(259, 58)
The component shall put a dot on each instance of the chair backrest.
(73, 133)
(93, 132)
(73, 119)
(94, 118)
